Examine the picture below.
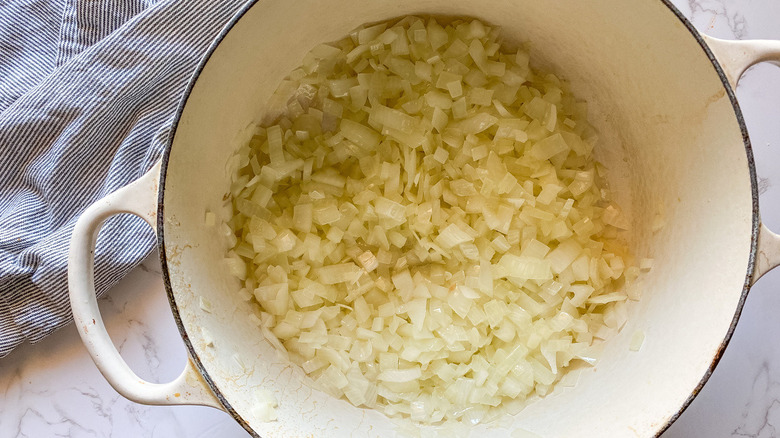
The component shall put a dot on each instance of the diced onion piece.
(264, 407)
(342, 273)
(359, 134)
(452, 236)
(561, 257)
(400, 376)
(526, 268)
(637, 339)
(391, 210)
(210, 219)
(368, 261)
(275, 145)
(548, 147)
(236, 267)
(302, 217)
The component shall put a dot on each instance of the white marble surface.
(52, 389)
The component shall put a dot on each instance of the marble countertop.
(53, 389)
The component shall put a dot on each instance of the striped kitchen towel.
(88, 90)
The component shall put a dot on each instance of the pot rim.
(161, 216)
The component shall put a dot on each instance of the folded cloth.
(88, 90)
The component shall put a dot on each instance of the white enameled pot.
(674, 144)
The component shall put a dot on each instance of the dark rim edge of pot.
(161, 218)
(755, 214)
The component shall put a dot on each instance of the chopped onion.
(400, 376)
(637, 339)
(452, 236)
(264, 407)
(423, 228)
(210, 219)
(525, 268)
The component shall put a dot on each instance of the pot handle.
(138, 198)
(735, 57)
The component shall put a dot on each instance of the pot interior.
(671, 143)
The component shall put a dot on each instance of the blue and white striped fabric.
(88, 89)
